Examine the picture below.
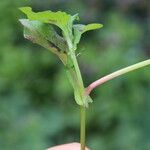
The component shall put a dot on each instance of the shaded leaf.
(45, 35)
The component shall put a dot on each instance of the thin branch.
(116, 74)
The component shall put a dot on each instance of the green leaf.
(45, 35)
(79, 29)
(61, 19)
(92, 26)
(58, 18)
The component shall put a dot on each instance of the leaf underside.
(44, 35)
(62, 20)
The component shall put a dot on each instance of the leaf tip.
(25, 9)
(101, 25)
(23, 21)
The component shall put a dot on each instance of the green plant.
(39, 28)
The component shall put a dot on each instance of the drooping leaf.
(61, 19)
(79, 29)
(45, 35)
(58, 18)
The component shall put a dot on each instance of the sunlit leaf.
(92, 26)
(58, 18)
(61, 19)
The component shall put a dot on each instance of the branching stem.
(116, 74)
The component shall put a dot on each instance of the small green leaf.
(45, 35)
(92, 26)
(79, 29)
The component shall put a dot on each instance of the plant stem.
(82, 108)
(82, 126)
(116, 74)
(80, 88)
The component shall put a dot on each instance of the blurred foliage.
(37, 109)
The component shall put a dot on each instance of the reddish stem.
(116, 74)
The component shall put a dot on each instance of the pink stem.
(116, 74)
(97, 83)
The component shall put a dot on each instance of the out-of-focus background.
(37, 109)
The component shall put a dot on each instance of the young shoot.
(39, 29)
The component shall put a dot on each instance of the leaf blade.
(44, 35)
(92, 26)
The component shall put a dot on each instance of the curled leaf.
(45, 35)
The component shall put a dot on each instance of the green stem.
(77, 70)
(77, 82)
(82, 126)
(74, 59)
(82, 108)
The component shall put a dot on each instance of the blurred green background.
(37, 109)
